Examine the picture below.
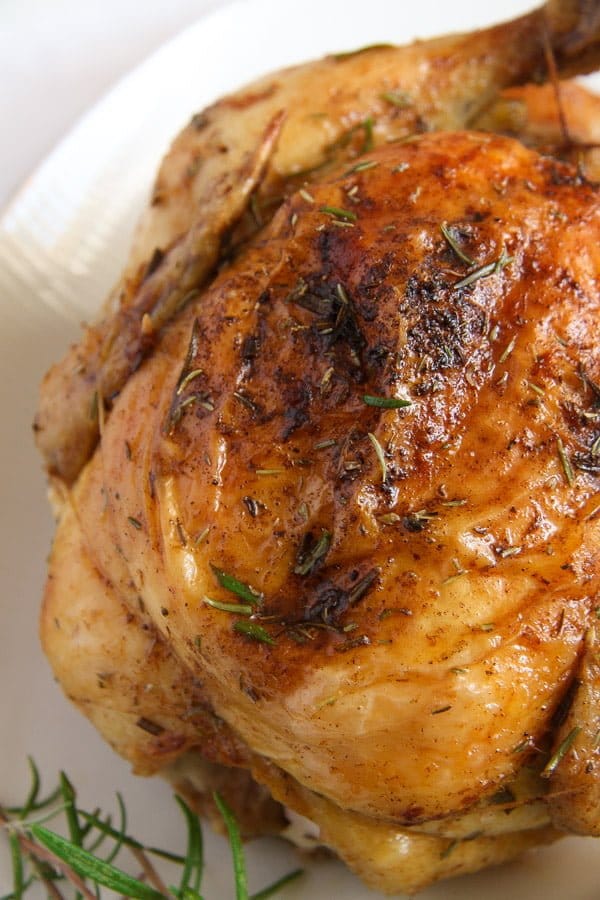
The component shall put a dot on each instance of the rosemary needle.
(87, 865)
(39, 854)
(237, 852)
(380, 456)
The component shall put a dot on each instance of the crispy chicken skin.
(267, 139)
(340, 533)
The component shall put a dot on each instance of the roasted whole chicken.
(327, 467)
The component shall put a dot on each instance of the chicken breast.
(340, 531)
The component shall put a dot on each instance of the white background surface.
(57, 57)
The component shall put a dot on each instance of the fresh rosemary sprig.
(39, 854)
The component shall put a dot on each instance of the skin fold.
(339, 535)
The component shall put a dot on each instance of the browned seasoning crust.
(333, 108)
(344, 519)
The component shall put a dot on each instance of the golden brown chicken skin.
(327, 470)
(361, 502)
(228, 170)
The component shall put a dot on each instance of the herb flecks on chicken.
(340, 533)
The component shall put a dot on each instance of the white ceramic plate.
(61, 246)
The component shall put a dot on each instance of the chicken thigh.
(333, 523)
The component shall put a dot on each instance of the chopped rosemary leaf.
(451, 239)
(268, 471)
(310, 556)
(390, 519)
(303, 512)
(362, 166)
(367, 125)
(253, 631)
(442, 709)
(508, 350)
(201, 536)
(397, 98)
(362, 587)
(195, 373)
(535, 388)
(242, 609)
(245, 401)
(230, 583)
(135, 522)
(510, 551)
(324, 445)
(306, 196)
(386, 402)
(557, 757)
(380, 456)
(452, 578)
(342, 293)
(450, 503)
(337, 212)
(565, 462)
(484, 271)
